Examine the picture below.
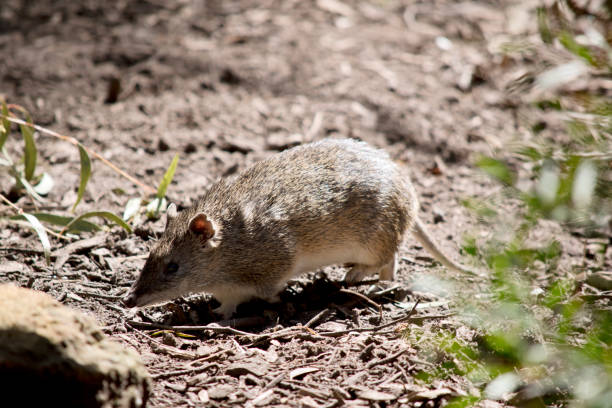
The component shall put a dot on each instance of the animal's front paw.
(226, 310)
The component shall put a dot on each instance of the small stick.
(24, 250)
(365, 299)
(210, 356)
(390, 379)
(62, 254)
(216, 329)
(181, 372)
(403, 372)
(317, 318)
(243, 322)
(306, 390)
(386, 360)
(274, 381)
(360, 283)
(85, 293)
(375, 328)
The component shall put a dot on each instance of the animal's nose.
(129, 300)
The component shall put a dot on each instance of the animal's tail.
(430, 245)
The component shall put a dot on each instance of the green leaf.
(85, 173)
(463, 402)
(62, 221)
(42, 235)
(163, 185)
(29, 151)
(22, 182)
(568, 41)
(496, 169)
(103, 214)
(543, 26)
(131, 208)
(469, 246)
(154, 206)
(45, 185)
(529, 153)
(549, 104)
(5, 125)
(479, 207)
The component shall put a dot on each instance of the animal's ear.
(171, 213)
(201, 225)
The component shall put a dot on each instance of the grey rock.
(51, 355)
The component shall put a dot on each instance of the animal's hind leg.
(360, 271)
(386, 271)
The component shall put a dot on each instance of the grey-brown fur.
(328, 202)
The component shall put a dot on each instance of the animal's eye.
(172, 267)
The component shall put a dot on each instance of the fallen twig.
(375, 328)
(64, 253)
(182, 372)
(274, 381)
(319, 316)
(85, 293)
(386, 360)
(212, 327)
(365, 299)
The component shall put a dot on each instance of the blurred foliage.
(538, 339)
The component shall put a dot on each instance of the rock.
(263, 399)
(51, 355)
(220, 391)
(203, 396)
(308, 402)
(427, 395)
(12, 267)
(280, 141)
(238, 369)
(373, 395)
(241, 144)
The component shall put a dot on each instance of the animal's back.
(328, 202)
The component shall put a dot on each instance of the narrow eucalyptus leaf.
(155, 206)
(62, 221)
(548, 184)
(42, 235)
(561, 75)
(85, 174)
(163, 185)
(45, 185)
(30, 152)
(5, 125)
(22, 182)
(102, 214)
(131, 208)
(497, 169)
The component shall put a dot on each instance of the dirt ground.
(227, 83)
